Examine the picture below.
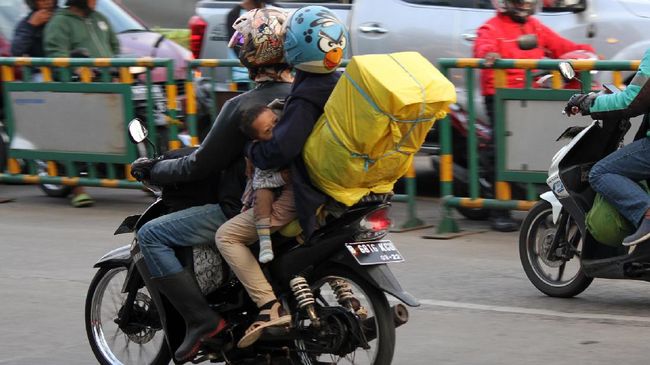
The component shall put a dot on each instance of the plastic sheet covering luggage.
(374, 122)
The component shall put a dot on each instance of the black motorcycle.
(557, 251)
(335, 286)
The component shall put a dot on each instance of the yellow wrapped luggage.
(375, 120)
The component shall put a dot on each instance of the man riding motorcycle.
(220, 151)
(498, 38)
(616, 176)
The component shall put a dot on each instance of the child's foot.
(266, 252)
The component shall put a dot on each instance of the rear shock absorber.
(305, 298)
(345, 297)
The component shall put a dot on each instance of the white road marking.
(533, 311)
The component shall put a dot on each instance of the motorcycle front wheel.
(368, 304)
(555, 276)
(141, 340)
(55, 191)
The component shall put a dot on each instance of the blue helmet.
(315, 40)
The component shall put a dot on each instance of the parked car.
(209, 29)
(136, 40)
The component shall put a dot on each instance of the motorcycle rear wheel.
(536, 234)
(374, 301)
(110, 343)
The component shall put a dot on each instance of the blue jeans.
(184, 228)
(615, 177)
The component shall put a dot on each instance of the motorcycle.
(334, 286)
(559, 255)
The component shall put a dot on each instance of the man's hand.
(141, 168)
(579, 103)
(40, 17)
(490, 58)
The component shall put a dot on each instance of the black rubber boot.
(201, 322)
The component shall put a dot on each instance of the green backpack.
(606, 224)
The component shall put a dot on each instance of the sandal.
(81, 200)
(271, 314)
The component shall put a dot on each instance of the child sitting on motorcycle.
(265, 185)
(615, 177)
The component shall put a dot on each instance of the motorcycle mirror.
(137, 131)
(527, 42)
(567, 70)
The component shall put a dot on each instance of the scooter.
(334, 285)
(558, 253)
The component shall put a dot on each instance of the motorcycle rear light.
(197, 30)
(374, 226)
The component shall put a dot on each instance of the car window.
(477, 4)
(11, 11)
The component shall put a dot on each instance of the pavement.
(478, 307)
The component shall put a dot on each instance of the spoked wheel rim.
(325, 297)
(555, 271)
(133, 344)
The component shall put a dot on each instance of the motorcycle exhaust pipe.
(400, 316)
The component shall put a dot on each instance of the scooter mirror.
(527, 42)
(137, 131)
(567, 70)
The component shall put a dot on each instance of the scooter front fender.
(555, 204)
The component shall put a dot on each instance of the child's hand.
(250, 169)
(286, 176)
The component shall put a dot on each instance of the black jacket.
(221, 148)
(28, 39)
(303, 108)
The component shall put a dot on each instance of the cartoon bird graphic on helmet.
(316, 40)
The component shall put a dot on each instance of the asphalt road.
(477, 305)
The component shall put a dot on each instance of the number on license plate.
(374, 252)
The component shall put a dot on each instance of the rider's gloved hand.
(141, 168)
(580, 103)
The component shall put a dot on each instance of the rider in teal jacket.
(616, 176)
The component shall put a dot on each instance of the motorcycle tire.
(102, 329)
(55, 191)
(384, 343)
(474, 214)
(532, 260)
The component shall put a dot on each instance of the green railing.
(502, 189)
(73, 82)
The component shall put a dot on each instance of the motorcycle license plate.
(374, 252)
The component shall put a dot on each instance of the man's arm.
(56, 41)
(221, 147)
(289, 136)
(556, 44)
(23, 39)
(486, 41)
(633, 101)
